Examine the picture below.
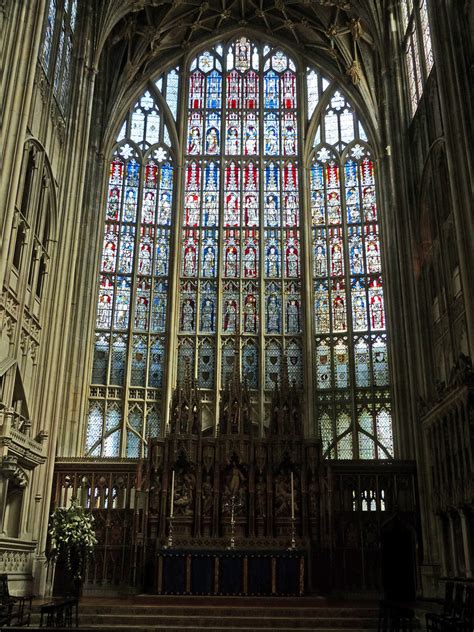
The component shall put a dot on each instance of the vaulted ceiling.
(135, 39)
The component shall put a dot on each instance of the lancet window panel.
(350, 356)
(131, 316)
(417, 47)
(241, 213)
(57, 47)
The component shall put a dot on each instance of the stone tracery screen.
(240, 274)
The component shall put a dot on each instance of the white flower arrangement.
(72, 537)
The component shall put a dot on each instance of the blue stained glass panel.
(271, 90)
(214, 90)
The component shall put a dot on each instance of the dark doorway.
(398, 561)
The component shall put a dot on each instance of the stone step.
(183, 628)
(228, 622)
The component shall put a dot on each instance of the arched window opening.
(129, 349)
(351, 362)
(19, 242)
(416, 43)
(242, 225)
(56, 51)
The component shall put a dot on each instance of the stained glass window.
(129, 352)
(56, 50)
(417, 47)
(234, 237)
(350, 358)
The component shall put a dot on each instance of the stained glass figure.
(251, 209)
(377, 311)
(293, 316)
(145, 253)
(189, 259)
(359, 305)
(271, 130)
(273, 310)
(209, 257)
(109, 251)
(339, 317)
(320, 253)
(142, 305)
(250, 255)
(122, 303)
(333, 194)
(292, 257)
(130, 205)
(161, 252)
(372, 249)
(230, 315)
(105, 302)
(321, 307)
(158, 307)
(288, 80)
(337, 257)
(207, 314)
(250, 312)
(251, 134)
(231, 254)
(148, 207)
(187, 315)
(113, 206)
(139, 361)
(195, 134)
(233, 145)
(289, 134)
(272, 257)
(356, 250)
(212, 134)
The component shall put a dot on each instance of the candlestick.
(292, 498)
(172, 495)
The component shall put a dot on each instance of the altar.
(230, 572)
